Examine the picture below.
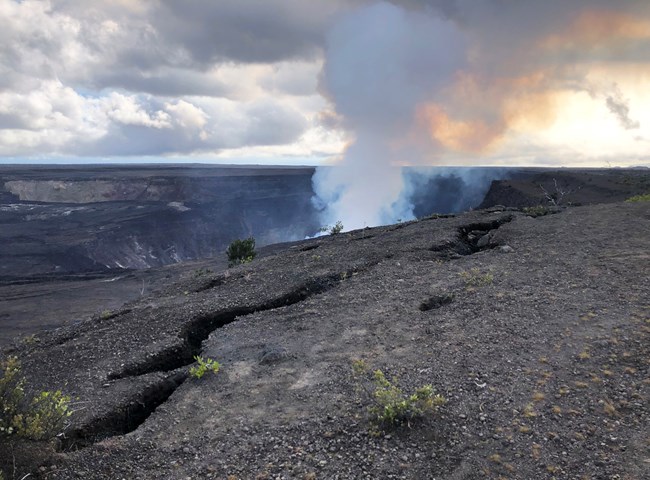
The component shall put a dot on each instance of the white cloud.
(159, 77)
(127, 111)
(134, 77)
(187, 115)
(46, 119)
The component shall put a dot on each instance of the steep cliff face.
(566, 187)
(82, 191)
(64, 221)
(152, 184)
(71, 219)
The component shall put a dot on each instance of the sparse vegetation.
(203, 366)
(38, 417)
(337, 228)
(200, 272)
(556, 197)
(390, 406)
(536, 211)
(241, 251)
(332, 230)
(639, 198)
(474, 278)
(31, 339)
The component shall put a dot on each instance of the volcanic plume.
(484, 82)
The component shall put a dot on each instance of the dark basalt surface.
(59, 261)
(545, 366)
(62, 220)
(80, 240)
(528, 188)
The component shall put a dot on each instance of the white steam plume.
(422, 82)
(382, 61)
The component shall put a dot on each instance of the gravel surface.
(535, 330)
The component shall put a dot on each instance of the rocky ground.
(527, 188)
(62, 227)
(535, 330)
(31, 304)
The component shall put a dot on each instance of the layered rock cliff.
(94, 219)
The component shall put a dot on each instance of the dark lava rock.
(542, 356)
(527, 188)
(101, 218)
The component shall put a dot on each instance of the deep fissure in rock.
(140, 406)
(132, 414)
(127, 417)
(472, 238)
(200, 328)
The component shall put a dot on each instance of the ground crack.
(199, 329)
(135, 410)
(472, 238)
(125, 418)
(211, 283)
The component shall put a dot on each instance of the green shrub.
(474, 278)
(241, 251)
(40, 417)
(333, 230)
(639, 198)
(200, 272)
(537, 211)
(390, 406)
(337, 228)
(203, 366)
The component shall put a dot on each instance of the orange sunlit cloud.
(463, 136)
(481, 113)
(485, 109)
(598, 28)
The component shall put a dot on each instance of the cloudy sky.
(438, 82)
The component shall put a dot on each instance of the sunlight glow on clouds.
(410, 81)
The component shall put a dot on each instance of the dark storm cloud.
(136, 44)
(248, 31)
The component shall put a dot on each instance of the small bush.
(337, 228)
(40, 417)
(200, 272)
(203, 366)
(537, 211)
(390, 406)
(30, 340)
(639, 198)
(241, 251)
(474, 278)
(333, 230)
